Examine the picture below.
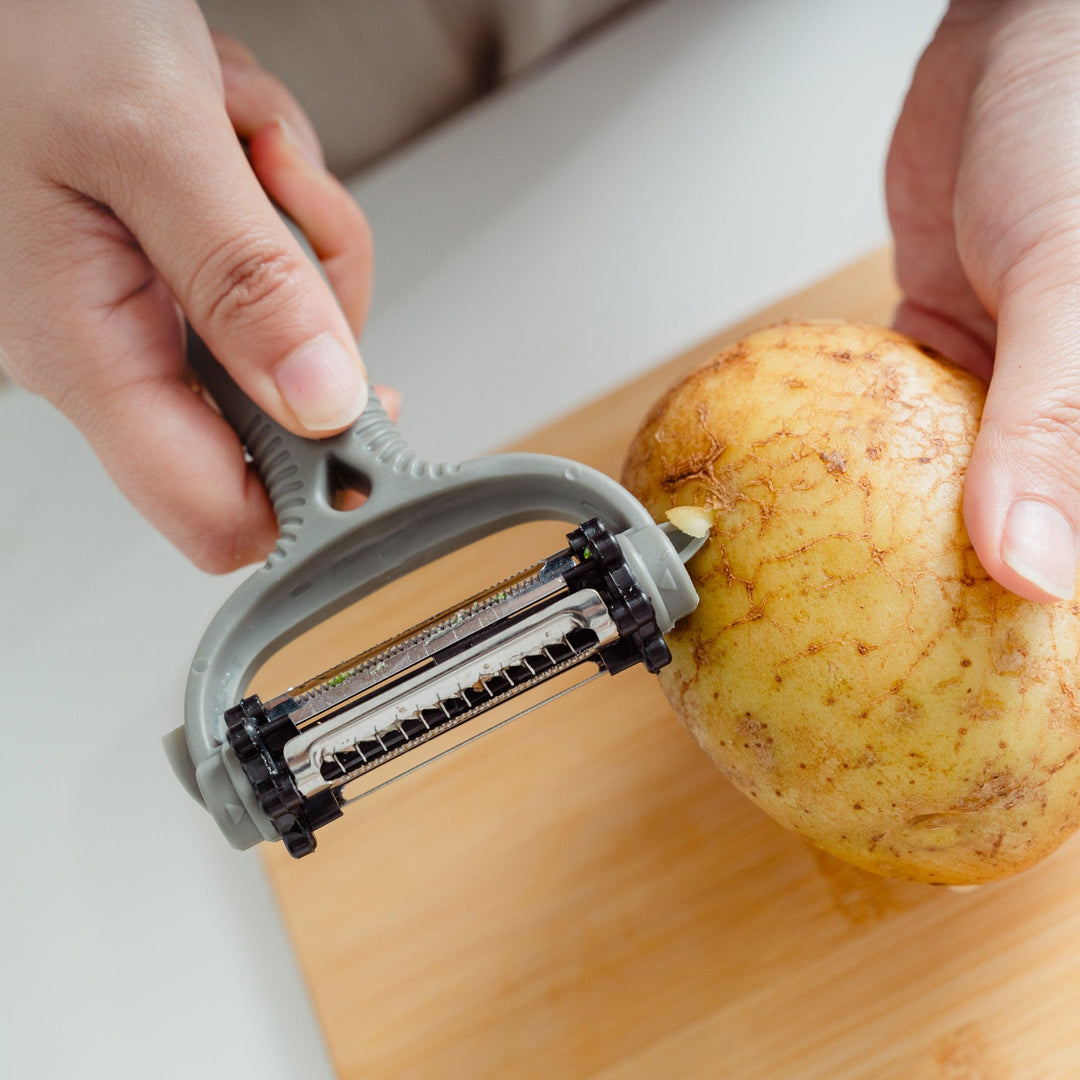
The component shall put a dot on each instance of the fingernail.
(322, 384)
(1039, 544)
(288, 134)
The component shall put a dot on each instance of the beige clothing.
(370, 73)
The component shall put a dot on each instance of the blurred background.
(678, 166)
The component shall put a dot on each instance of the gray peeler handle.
(326, 559)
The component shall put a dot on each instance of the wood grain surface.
(581, 895)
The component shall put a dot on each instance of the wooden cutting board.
(581, 895)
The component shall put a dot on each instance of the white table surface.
(697, 161)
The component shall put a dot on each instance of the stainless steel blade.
(431, 685)
(471, 739)
(391, 658)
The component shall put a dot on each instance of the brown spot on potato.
(755, 736)
(834, 461)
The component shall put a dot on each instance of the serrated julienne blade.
(352, 797)
(359, 674)
(439, 696)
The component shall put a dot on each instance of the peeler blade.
(302, 749)
(354, 792)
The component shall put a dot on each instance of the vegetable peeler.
(284, 768)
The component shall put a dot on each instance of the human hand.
(129, 204)
(983, 184)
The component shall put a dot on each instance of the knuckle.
(241, 529)
(129, 113)
(221, 552)
(212, 560)
(1042, 248)
(1060, 421)
(110, 143)
(133, 118)
(243, 282)
(125, 104)
(1050, 437)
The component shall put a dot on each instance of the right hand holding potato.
(129, 204)
(983, 185)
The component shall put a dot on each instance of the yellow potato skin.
(851, 666)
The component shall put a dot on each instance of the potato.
(851, 667)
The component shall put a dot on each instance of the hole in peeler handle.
(348, 488)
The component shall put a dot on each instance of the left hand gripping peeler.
(279, 769)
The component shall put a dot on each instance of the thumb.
(243, 281)
(1022, 491)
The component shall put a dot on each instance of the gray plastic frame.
(327, 559)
